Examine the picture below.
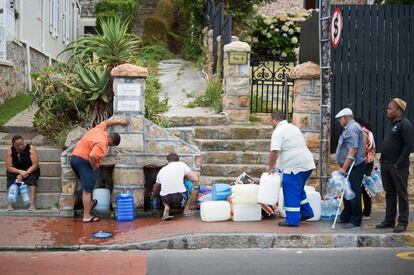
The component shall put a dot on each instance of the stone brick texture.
(88, 7)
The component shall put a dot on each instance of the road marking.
(406, 255)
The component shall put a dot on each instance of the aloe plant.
(93, 81)
(113, 45)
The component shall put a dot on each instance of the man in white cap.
(395, 161)
(351, 149)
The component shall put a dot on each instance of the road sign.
(337, 24)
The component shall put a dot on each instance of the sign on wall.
(336, 27)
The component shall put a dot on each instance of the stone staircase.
(230, 150)
(145, 8)
(49, 183)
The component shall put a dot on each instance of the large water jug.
(103, 196)
(221, 191)
(246, 212)
(125, 210)
(25, 192)
(244, 194)
(269, 189)
(12, 193)
(215, 211)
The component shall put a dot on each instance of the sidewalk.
(40, 233)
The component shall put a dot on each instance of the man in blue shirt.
(351, 149)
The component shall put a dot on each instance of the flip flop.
(95, 202)
(92, 219)
(32, 208)
(10, 208)
(167, 217)
(188, 214)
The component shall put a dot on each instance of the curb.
(242, 241)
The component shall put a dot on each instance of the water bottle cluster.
(373, 183)
(14, 191)
(339, 183)
(330, 206)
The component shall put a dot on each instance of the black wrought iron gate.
(271, 88)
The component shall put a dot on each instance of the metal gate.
(271, 88)
(373, 64)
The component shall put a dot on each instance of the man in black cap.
(395, 161)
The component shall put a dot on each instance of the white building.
(32, 34)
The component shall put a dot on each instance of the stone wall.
(13, 74)
(281, 6)
(88, 7)
(349, 2)
(145, 8)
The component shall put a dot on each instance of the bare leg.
(188, 203)
(33, 198)
(87, 203)
(10, 207)
(166, 209)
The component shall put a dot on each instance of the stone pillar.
(210, 57)
(306, 105)
(236, 81)
(129, 87)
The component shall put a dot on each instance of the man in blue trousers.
(288, 152)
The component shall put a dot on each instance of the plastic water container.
(215, 211)
(314, 199)
(269, 189)
(244, 194)
(12, 193)
(125, 210)
(25, 192)
(246, 212)
(220, 191)
(103, 196)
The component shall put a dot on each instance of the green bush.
(156, 31)
(153, 104)
(211, 97)
(155, 53)
(124, 9)
(165, 9)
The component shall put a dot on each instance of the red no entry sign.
(337, 24)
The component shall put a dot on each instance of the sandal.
(92, 219)
(188, 214)
(32, 208)
(94, 203)
(166, 217)
(10, 208)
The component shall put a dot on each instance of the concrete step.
(207, 120)
(47, 212)
(43, 200)
(240, 145)
(44, 184)
(31, 138)
(47, 169)
(213, 180)
(232, 170)
(233, 157)
(45, 153)
(234, 132)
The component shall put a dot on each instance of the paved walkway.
(182, 83)
(20, 232)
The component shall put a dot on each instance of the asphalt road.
(282, 261)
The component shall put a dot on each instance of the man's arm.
(193, 176)
(408, 144)
(118, 121)
(349, 160)
(35, 161)
(9, 164)
(92, 162)
(273, 156)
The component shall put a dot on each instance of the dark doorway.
(150, 174)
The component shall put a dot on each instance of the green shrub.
(156, 31)
(211, 97)
(165, 9)
(153, 104)
(124, 9)
(155, 53)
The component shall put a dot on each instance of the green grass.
(13, 106)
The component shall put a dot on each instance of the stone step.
(47, 212)
(234, 132)
(47, 169)
(233, 157)
(213, 180)
(44, 184)
(45, 153)
(240, 145)
(232, 170)
(207, 120)
(31, 138)
(43, 200)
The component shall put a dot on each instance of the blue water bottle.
(24, 191)
(12, 194)
(125, 210)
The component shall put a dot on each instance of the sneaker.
(365, 218)
(287, 225)
(400, 228)
(384, 224)
(351, 226)
(167, 217)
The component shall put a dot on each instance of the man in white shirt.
(170, 184)
(289, 153)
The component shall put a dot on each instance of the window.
(66, 22)
(54, 17)
(7, 26)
